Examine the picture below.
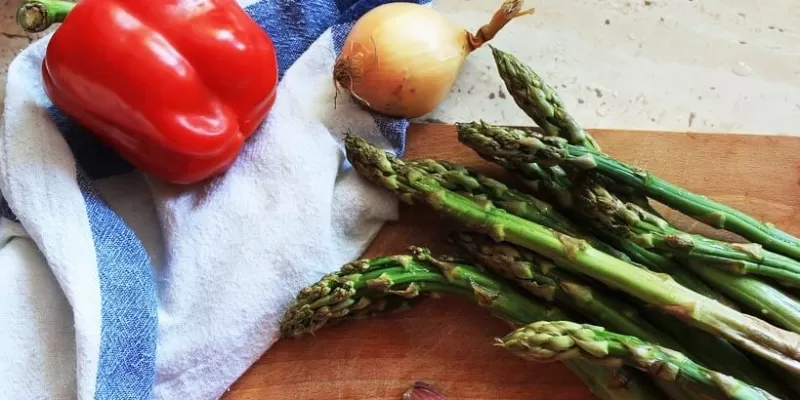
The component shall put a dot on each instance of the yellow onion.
(402, 59)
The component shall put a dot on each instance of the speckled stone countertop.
(711, 65)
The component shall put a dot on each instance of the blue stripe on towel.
(129, 325)
(293, 25)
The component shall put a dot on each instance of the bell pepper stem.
(38, 15)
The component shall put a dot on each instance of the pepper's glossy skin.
(175, 86)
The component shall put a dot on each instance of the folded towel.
(120, 287)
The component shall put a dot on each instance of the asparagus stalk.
(528, 147)
(759, 296)
(410, 184)
(537, 276)
(548, 341)
(539, 101)
(544, 279)
(367, 286)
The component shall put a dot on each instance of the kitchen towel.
(116, 286)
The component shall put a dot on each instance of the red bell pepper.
(173, 86)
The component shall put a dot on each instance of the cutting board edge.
(416, 126)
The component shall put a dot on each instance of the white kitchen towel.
(119, 287)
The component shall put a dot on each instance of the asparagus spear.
(357, 284)
(410, 184)
(775, 305)
(761, 297)
(540, 102)
(528, 147)
(551, 341)
(600, 205)
(537, 99)
(369, 284)
(546, 280)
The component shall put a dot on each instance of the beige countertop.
(712, 65)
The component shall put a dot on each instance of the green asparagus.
(368, 285)
(528, 147)
(410, 184)
(763, 299)
(544, 279)
(551, 341)
(708, 348)
(537, 99)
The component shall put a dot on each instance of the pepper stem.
(38, 15)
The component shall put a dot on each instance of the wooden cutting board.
(447, 342)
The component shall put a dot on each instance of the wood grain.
(446, 342)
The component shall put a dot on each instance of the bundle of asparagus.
(582, 265)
